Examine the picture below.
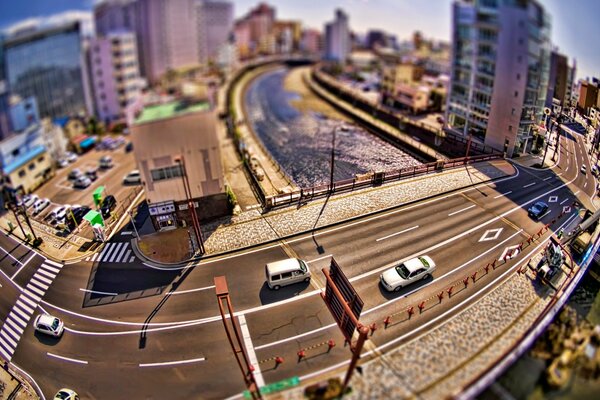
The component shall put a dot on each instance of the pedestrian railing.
(372, 179)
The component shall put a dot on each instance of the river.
(301, 141)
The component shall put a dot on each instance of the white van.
(285, 272)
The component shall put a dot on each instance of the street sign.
(348, 292)
(275, 387)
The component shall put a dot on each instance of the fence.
(372, 179)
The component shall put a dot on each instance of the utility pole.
(332, 160)
(188, 194)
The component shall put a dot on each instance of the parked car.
(30, 200)
(62, 163)
(70, 156)
(108, 204)
(57, 215)
(133, 177)
(594, 170)
(75, 217)
(129, 147)
(538, 209)
(49, 325)
(583, 169)
(92, 174)
(40, 205)
(403, 274)
(66, 394)
(75, 173)
(106, 162)
(82, 182)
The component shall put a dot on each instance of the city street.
(145, 328)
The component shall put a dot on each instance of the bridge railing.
(371, 179)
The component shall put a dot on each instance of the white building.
(337, 38)
(115, 74)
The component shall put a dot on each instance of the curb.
(337, 223)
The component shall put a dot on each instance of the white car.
(71, 157)
(403, 274)
(58, 214)
(133, 177)
(30, 200)
(40, 205)
(66, 394)
(62, 163)
(49, 325)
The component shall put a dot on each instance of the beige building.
(413, 97)
(171, 140)
(397, 74)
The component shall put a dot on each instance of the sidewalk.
(253, 228)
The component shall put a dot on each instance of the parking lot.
(60, 189)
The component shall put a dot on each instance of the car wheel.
(307, 279)
(426, 276)
(397, 288)
(276, 287)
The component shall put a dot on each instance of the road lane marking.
(10, 255)
(528, 185)
(320, 258)
(459, 211)
(67, 358)
(577, 192)
(32, 295)
(39, 284)
(398, 233)
(301, 335)
(99, 292)
(42, 278)
(564, 201)
(35, 289)
(162, 364)
(189, 291)
(585, 185)
(260, 381)
(24, 306)
(545, 179)
(22, 266)
(503, 194)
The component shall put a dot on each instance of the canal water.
(301, 142)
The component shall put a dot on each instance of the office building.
(215, 25)
(558, 80)
(499, 78)
(114, 73)
(588, 96)
(166, 136)
(5, 127)
(311, 42)
(50, 65)
(337, 38)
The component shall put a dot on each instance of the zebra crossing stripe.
(39, 284)
(7, 347)
(119, 258)
(8, 338)
(46, 273)
(20, 312)
(17, 319)
(32, 295)
(59, 265)
(132, 258)
(24, 306)
(7, 356)
(127, 255)
(93, 257)
(109, 248)
(52, 269)
(14, 326)
(117, 247)
(27, 300)
(9, 329)
(35, 289)
(42, 278)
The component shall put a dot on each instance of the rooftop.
(169, 110)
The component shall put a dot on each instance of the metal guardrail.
(372, 179)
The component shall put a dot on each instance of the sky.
(575, 27)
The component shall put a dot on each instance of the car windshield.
(62, 395)
(303, 266)
(55, 323)
(402, 271)
(424, 262)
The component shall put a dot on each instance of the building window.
(510, 128)
(516, 93)
(41, 159)
(31, 166)
(22, 173)
(518, 77)
(513, 111)
(519, 59)
(160, 174)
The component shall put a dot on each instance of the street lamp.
(188, 195)
(332, 159)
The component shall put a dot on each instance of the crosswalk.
(21, 313)
(114, 253)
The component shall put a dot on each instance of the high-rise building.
(558, 80)
(114, 16)
(5, 127)
(337, 38)
(254, 33)
(215, 25)
(376, 38)
(588, 95)
(2, 74)
(115, 74)
(50, 64)
(311, 41)
(500, 63)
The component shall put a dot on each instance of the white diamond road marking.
(511, 251)
(22, 311)
(566, 209)
(553, 199)
(491, 234)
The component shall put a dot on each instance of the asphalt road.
(137, 331)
